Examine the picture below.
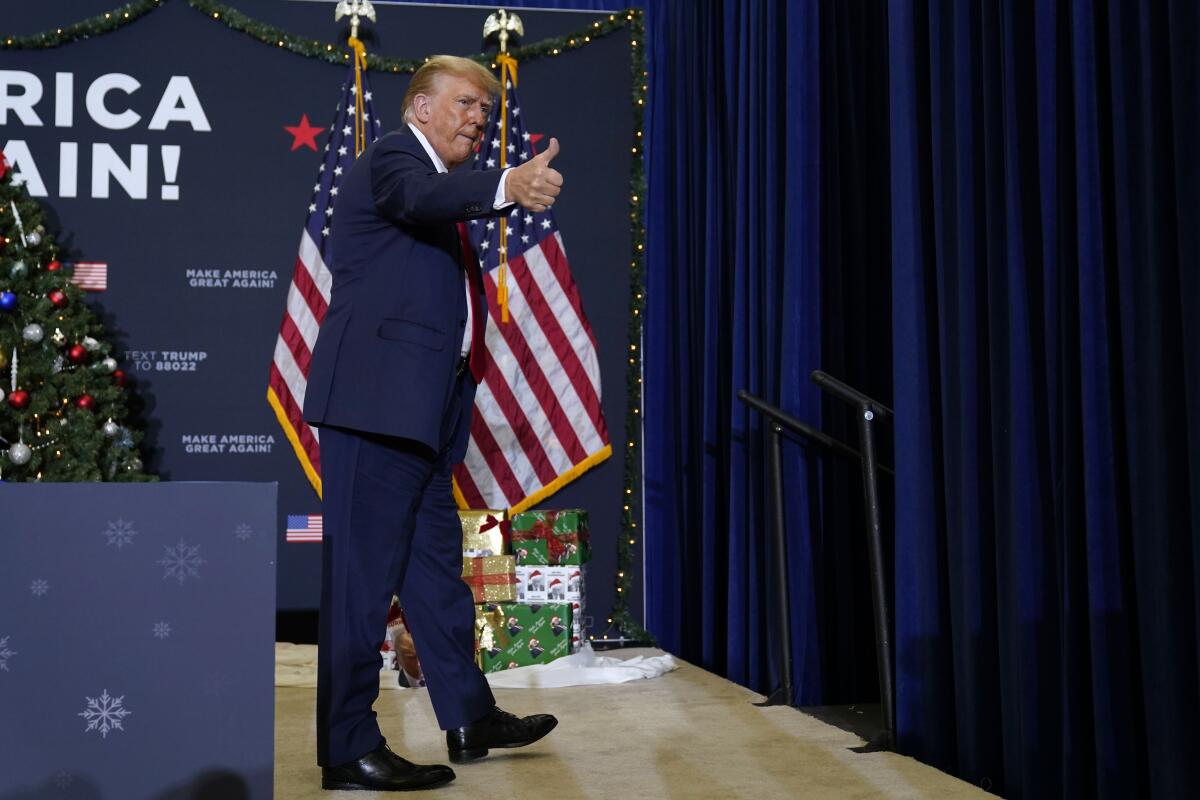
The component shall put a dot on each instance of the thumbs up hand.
(535, 184)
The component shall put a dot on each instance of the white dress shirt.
(498, 204)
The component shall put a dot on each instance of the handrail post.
(783, 696)
(883, 639)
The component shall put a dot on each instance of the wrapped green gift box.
(551, 537)
(517, 635)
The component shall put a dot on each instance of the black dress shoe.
(381, 770)
(497, 729)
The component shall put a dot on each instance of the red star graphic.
(304, 134)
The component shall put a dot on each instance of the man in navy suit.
(391, 388)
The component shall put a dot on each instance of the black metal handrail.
(869, 410)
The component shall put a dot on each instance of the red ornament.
(53, 266)
(119, 377)
(57, 298)
(18, 399)
(3, 241)
(86, 402)
(77, 353)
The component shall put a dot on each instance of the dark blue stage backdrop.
(161, 150)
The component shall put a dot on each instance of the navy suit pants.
(391, 526)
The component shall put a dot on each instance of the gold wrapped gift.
(483, 532)
(490, 633)
(493, 579)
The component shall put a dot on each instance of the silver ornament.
(19, 270)
(108, 364)
(111, 428)
(1, 395)
(33, 238)
(57, 366)
(32, 333)
(90, 344)
(20, 453)
(135, 465)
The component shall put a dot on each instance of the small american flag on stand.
(537, 424)
(308, 295)
(304, 528)
(91, 276)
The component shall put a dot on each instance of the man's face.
(452, 117)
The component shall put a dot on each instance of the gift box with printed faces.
(493, 579)
(563, 584)
(579, 624)
(512, 635)
(485, 532)
(552, 538)
(531, 584)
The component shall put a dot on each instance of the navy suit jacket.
(386, 356)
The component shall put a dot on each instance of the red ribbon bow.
(544, 529)
(490, 522)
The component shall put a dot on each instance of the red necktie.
(476, 359)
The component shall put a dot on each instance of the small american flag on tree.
(537, 423)
(91, 276)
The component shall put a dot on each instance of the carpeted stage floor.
(688, 734)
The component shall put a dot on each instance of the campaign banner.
(176, 158)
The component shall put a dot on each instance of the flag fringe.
(550, 488)
(294, 438)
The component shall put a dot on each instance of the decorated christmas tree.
(64, 405)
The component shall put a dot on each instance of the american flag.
(537, 422)
(308, 295)
(304, 528)
(91, 276)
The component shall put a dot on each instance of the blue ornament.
(8, 302)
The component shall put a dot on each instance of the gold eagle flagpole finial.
(500, 26)
(354, 9)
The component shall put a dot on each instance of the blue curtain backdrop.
(1047, 382)
(733, 303)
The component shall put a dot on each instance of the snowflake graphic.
(243, 532)
(105, 714)
(63, 779)
(162, 630)
(5, 653)
(181, 562)
(120, 533)
(39, 587)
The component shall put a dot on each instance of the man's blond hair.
(424, 78)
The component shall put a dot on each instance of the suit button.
(462, 324)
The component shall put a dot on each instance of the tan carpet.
(688, 734)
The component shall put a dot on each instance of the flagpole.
(501, 25)
(356, 9)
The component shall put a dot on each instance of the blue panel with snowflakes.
(137, 640)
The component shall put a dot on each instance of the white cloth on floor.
(582, 669)
(296, 666)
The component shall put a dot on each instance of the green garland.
(311, 48)
(631, 499)
(336, 54)
(107, 22)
